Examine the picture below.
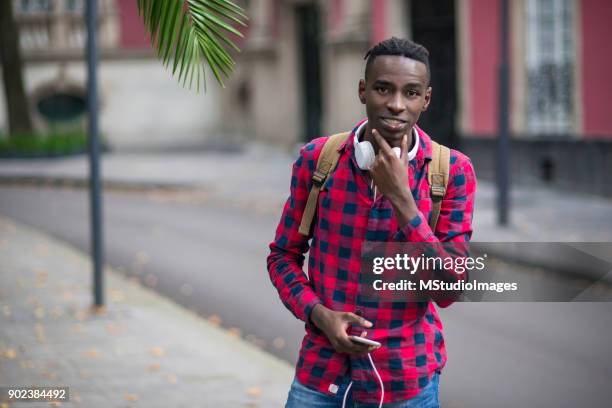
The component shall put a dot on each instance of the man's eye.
(382, 89)
(412, 92)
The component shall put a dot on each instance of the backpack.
(437, 175)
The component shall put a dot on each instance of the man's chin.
(393, 139)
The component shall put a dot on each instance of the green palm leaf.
(191, 35)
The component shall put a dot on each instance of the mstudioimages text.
(411, 264)
(440, 285)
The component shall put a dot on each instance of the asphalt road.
(211, 258)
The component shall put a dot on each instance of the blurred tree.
(19, 117)
(192, 35)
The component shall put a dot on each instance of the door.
(433, 24)
(309, 53)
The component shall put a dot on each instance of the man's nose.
(396, 103)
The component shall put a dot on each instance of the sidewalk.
(258, 179)
(144, 351)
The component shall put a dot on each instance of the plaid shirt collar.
(423, 153)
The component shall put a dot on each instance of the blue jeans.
(301, 396)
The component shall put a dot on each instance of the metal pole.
(503, 142)
(97, 244)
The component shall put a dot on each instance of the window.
(550, 67)
(34, 6)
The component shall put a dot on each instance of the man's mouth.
(393, 123)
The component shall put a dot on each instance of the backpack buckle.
(318, 178)
(437, 192)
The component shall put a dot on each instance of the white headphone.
(364, 151)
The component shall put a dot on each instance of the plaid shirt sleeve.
(456, 214)
(286, 257)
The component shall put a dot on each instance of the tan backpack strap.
(437, 175)
(325, 165)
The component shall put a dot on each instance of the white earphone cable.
(382, 387)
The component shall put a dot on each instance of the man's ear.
(362, 88)
(427, 98)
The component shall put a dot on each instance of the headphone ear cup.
(364, 154)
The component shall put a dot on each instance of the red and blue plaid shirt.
(410, 332)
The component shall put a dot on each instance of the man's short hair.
(398, 46)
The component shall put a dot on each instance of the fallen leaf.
(116, 295)
(39, 312)
(67, 295)
(80, 315)
(172, 379)
(234, 332)
(215, 320)
(99, 310)
(158, 352)
(41, 277)
(49, 375)
(130, 397)
(92, 353)
(114, 329)
(154, 367)
(57, 312)
(10, 353)
(40, 333)
(278, 343)
(254, 391)
(26, 364)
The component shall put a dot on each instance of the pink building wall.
(132, 28)
(483, 63)
(378, 10)
(596, 68)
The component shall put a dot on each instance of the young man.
(384, 199)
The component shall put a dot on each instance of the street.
(211, 258)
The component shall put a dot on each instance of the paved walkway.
(144, 351)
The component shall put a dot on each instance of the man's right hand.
(335, 326)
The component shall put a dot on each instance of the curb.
(81, 183)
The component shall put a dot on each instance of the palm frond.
(192, 35)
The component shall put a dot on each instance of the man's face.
(395, 93)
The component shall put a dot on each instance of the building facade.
(141, 105)
(297, 78)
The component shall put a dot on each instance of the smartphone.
(363, 340)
